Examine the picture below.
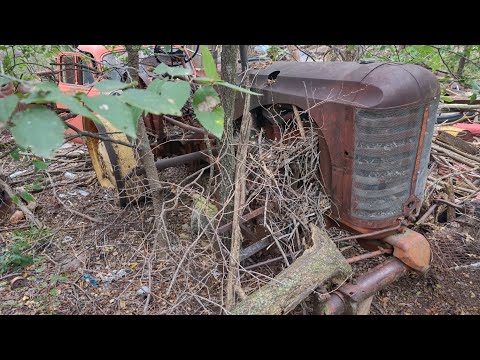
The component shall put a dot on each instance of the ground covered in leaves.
(93, 257)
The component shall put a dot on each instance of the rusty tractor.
(375, 124)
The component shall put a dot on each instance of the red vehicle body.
(79, 71)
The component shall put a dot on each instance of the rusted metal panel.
(334, 94)
(411, 248)
(368, 86)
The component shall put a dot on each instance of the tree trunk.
(147, 159)
(227, 152)
(461, 62)
(283, 293)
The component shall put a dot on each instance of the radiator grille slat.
(386, 143)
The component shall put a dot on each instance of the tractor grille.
(386, 143)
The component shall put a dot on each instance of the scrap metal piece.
(348, 297)
(111, 162)
(411, 248)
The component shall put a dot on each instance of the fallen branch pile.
(452, 196)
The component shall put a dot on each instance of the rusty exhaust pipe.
(163, 164)
(345, 299)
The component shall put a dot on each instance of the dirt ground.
(97, 258)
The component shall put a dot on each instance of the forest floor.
(93, 257)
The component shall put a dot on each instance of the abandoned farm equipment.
(374, 123)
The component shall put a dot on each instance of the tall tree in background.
(146, 156)
(461, 62)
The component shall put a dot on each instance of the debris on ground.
(64, 263)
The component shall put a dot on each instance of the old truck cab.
(78, 71)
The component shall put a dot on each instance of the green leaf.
(15, 154)
(39, 165)
(15, 199)
(7, 107)
(172, 70)
(111, 85)
(35, 186)
(446, 99)
(42, 93)
(111, 108)
(145, 100)
(75, 106)
(60, 278)
(204, 80)
(49, 92)
(27, 196)
(238, 88)
(54, 292)
(209, 64)
(4, 80)
(209, 110)
(38, 128)
(473, 98)
(156, 85)
(175, 95)
(137, 112)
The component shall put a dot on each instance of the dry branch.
(458, 106)
(457, 151)
(239, 201)
(73, 211)
(281, 295)
(28, 214)
(453, 155)
(456, 142)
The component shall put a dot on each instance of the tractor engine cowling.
(375, 123)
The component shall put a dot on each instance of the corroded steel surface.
(411, 248)
(333, 94)
(346, 298)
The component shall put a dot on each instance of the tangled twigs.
(68, 208)
(287, 173)
(28, 214)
